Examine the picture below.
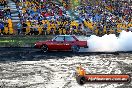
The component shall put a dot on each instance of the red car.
(61, 43)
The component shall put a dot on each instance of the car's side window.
(59, 38)
(69, 38)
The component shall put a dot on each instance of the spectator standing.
(1, 28)
(19, 27)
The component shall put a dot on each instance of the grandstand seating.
(49, 18)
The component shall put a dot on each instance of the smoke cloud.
(109, 43)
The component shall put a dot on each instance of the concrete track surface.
(30, 68)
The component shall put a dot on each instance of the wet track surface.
(30, 68)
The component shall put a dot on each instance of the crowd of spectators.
(106, 16)
(43, 17)
(46, 18)
(6, 25)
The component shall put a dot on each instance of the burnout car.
(61, 43)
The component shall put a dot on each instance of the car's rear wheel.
(44, 48)
(75, 48)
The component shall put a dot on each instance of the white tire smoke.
(109, 43)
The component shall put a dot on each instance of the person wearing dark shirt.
(24, 27)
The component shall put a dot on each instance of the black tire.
(75, 48)
(44, 48)
(81, 80)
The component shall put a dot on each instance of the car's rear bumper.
(86, 47)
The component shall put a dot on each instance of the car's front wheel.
(75, 48)
(44, 48)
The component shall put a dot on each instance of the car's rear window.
(69, 38)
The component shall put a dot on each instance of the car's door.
(58, 43)
(69, 41)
